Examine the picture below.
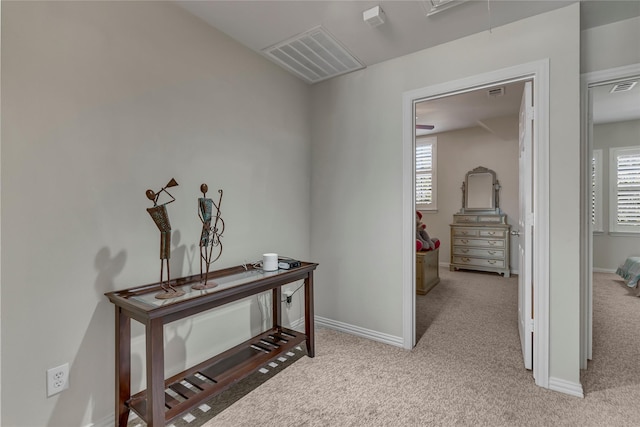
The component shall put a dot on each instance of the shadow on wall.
(260, 313)
(91, 376)
(178, 255)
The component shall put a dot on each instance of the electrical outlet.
(57, 379)
(288, 294)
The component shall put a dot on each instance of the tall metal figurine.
(161, 218)
(209, 237)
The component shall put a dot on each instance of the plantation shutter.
(593, 191)
(424, 174)
(628, 187)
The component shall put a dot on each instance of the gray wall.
(610, 46)
(100, 101)
(609, 251)
(356, 183)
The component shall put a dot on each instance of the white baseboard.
(109, 421)
(603, 270)
(361, 332)
(297, 325)
(566, 387)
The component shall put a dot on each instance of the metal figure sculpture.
(209, 236)
(161, 218)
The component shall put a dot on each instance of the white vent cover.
(623, 86)
(432, 7)
(496, 92)
(314, 56)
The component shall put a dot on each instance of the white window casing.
(426, 174)
(596, 191)
(624, 193)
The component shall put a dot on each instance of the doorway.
(538, 73)
(595, 87)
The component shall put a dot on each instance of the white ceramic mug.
(269, 262)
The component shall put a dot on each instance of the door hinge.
(531, 113)
(530, 218)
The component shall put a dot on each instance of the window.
(596, 191)
(426, 156)
(624, 195)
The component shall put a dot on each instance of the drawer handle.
(491, 252)
(465, 241)
(464, 251)
(466, 260)
(493, 242)
(492, 261)
(492, 233)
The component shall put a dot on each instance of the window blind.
(424, 174)
(628, 187)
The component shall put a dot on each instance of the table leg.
(155, 373)
(123, 366)
(309, 326)
(276, 306)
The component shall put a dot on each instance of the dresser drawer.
(463, 260)
(466, 218)
(491, 218)
(491, 233)
(471, 232)
(487, 243)
(487, 253)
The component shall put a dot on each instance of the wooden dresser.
(480, 242)
(426, 271)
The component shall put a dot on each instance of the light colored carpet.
(467, 369)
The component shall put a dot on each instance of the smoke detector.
(374, 16)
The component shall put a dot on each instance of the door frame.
(587, 81)
(538, 71)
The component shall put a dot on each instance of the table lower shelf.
(199, 383)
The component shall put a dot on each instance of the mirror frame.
(494, 189)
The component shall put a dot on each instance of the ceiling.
(263, 24)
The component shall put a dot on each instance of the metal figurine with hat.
(161, 218)
(209, 236)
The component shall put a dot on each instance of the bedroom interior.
(134, 89)
(611, 120)
(477, 128)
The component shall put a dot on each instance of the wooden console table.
(154, 405)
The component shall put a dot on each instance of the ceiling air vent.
(432, 7)
(314, 56)
(496, 92)
(623, 86)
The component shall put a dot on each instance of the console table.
(154, 405)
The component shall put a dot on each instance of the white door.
(525, 228)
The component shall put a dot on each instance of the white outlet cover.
(57, 379)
